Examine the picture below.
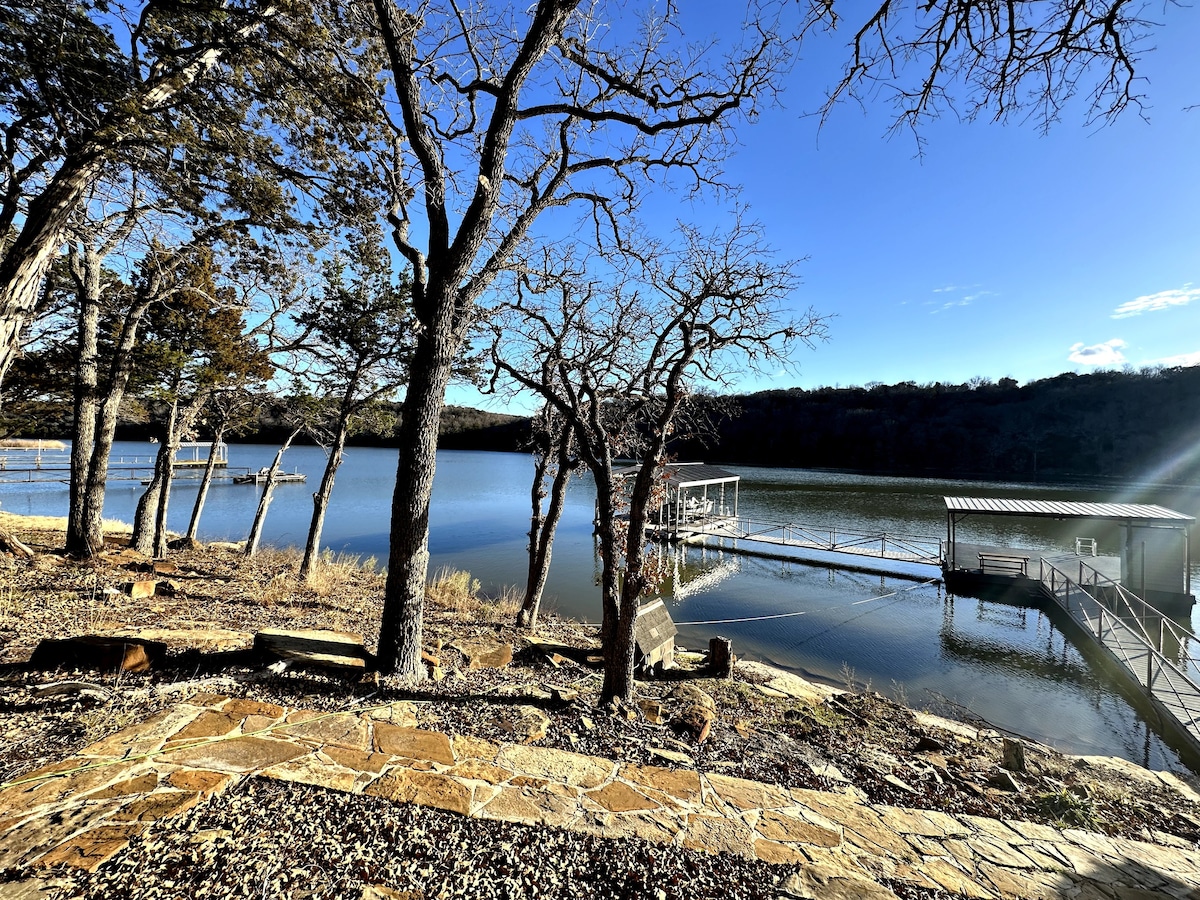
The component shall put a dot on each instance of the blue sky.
(1001, 251)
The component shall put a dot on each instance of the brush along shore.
(490, 680)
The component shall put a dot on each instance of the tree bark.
(147, 507)
(312, 547)
(87, 402)
(205, 482)
(90, 539)
(401, 629)
(543, 527)
(31, 253)
(264, 500)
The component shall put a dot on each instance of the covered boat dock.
(1154, 559)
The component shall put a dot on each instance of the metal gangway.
(1154, 651)
(877, 544)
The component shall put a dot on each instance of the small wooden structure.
(654, 633)
(188, 456)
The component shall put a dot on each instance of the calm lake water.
(1008, 665)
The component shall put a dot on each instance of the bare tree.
(618, 358)
(268, 492)
(229, 410)
(555, 462)
(502, 114)
(1024, 59)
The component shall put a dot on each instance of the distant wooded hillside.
(1127, 425)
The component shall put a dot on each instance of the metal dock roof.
(1146, 513)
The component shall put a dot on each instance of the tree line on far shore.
(1120, 424)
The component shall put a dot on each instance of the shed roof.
(685, 474)
(691, 474)
(1142, 513)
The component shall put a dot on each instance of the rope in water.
(792, 615)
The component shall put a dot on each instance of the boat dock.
(1103, 598)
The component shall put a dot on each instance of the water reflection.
(1001, 664)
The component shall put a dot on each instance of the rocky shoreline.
(762, 725)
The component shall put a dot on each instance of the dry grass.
(342, 573)
(16, 522)
(456, 592)
(31, 444)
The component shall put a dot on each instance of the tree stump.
(1013, 755)
(720, 657)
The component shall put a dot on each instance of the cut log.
(11, 544)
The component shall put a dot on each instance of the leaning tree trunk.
(264, 500)
(147, 507)
(31, 253)
(543, 527)
(312, 546)
(205, 482)
(400, 632)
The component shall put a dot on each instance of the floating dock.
(881, 553)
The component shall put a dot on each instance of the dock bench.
(1004, 564)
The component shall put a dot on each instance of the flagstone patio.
(84, 810)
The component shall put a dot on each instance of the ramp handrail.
(1129, 642)
(881, 544)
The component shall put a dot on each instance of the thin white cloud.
(1154, 302)
(1106, 354)
(965, 300)
(1181, 360)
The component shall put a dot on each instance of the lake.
(960, 656)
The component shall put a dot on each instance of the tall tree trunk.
(617, 643)
(90, 539)
(543, 527)
(87, 407)
(312, 547)
(400, 633)
(175, 428)
(264, 500)
(205, 482)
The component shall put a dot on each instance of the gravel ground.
(272, 839)
(266, 839)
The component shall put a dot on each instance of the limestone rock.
(98, 652)
(140, 589)
(484, 653)
(694, 711)
(528, 724)
(826, 882)
(328, 649)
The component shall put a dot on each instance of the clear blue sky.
(1001, 252)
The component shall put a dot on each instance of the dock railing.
(882, 544)
(1124, 625)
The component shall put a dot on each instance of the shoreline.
(490, 684)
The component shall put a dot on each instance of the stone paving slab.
(83, 811)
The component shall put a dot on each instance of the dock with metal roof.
(1126, 606)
